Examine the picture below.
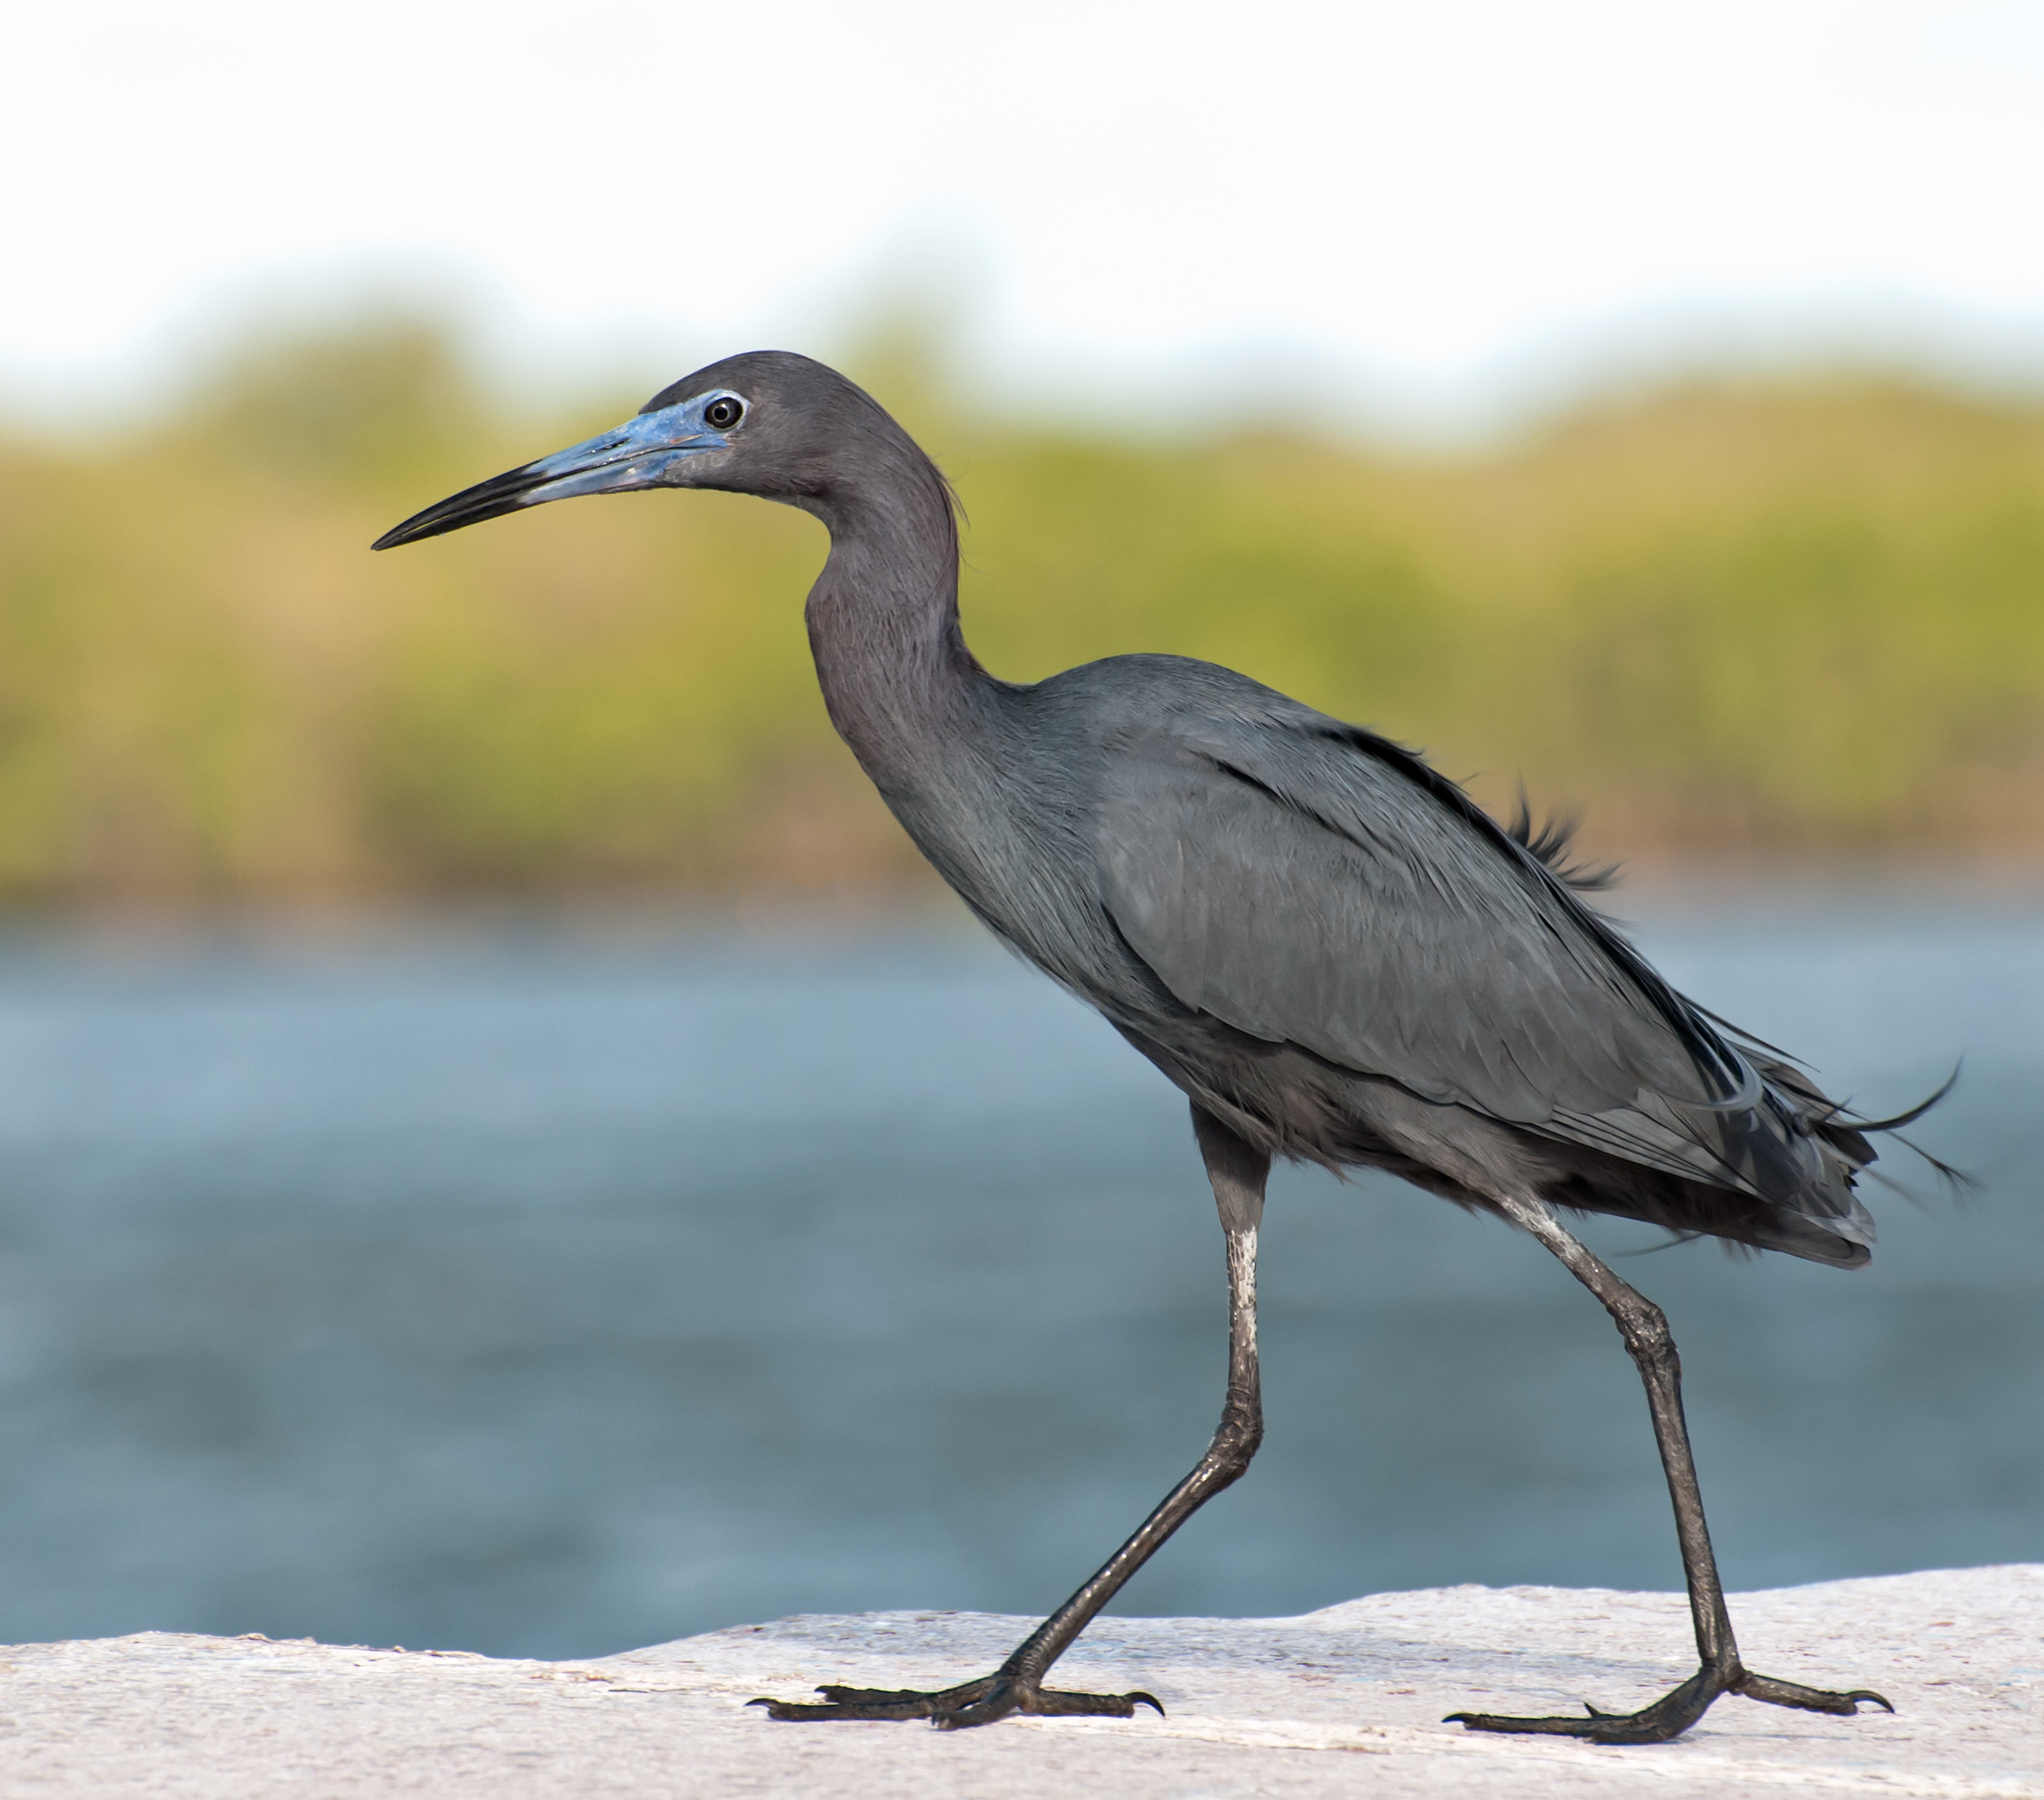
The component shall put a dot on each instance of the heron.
(1322, 941)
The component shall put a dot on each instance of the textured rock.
(1347, 1701)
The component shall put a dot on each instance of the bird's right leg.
(1238, 1173)
(1645, 1330)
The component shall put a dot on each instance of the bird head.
(765, 422)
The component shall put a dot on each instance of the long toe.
(1111, 1706)
(920, 1709)
(1669, 1716)
(1603, 1728)
(1810, 1699)
(940, 1699)
(958, 1708)
(878, 1702)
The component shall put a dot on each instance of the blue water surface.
(545, 1289)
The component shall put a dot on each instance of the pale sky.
(1414, 205)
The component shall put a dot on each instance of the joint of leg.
(1234, 1444)
(1645, 1329)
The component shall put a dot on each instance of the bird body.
(1305, 927)
(1322, 941)
(1294, 922)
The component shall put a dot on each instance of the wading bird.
(1333, 951)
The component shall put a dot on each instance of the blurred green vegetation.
(1735, 616)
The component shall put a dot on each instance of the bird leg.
(1645, 1330)
(1238, 1173)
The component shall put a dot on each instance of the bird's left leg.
(1645, 1330)
(1238, 1173)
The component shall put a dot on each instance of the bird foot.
(955, 1709)
(1677, 1711)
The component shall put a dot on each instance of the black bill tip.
(490, 499)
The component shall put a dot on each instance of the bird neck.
(882, 620)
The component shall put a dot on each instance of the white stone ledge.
(1347, 1701)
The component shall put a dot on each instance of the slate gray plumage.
(1322, 942)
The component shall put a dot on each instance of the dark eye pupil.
(723, 412)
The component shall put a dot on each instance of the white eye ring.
(723, 411)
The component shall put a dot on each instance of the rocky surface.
(1348, 1700)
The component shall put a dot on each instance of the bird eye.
(723, 412)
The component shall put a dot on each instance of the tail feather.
(1827, 1206)
(1778, 1168)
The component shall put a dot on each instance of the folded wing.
(1306, 882)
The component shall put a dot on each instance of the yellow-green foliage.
(1806, 613)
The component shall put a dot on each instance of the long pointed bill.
(640, 453)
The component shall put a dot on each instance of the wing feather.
(1278, 875)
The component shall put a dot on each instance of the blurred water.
(531, 1291)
